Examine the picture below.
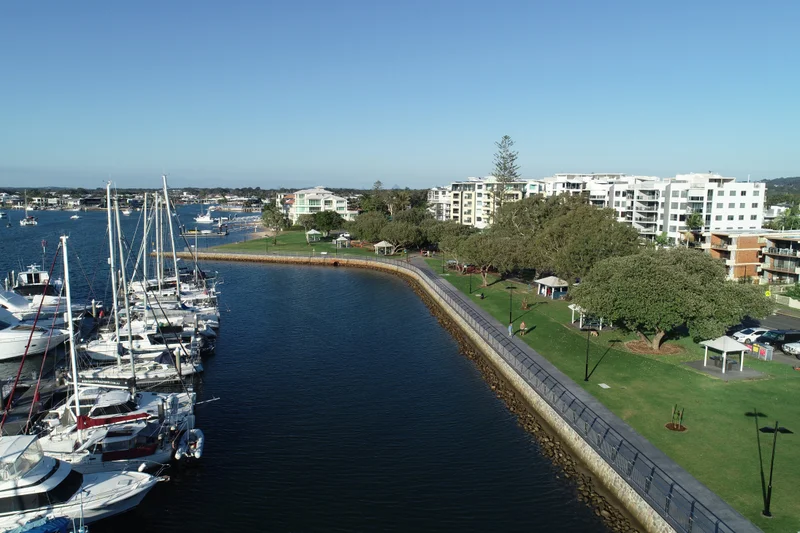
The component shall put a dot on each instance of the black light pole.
(586, 371)
(442, 261)
(774, 430)
(510, 302)
(470, 281)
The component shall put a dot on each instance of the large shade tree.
(326, 221)
(655, 292)
(273, 219)
(367, 226)
(401, 235)
(487, 251)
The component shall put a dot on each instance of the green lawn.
(719, 447)
(291, 241)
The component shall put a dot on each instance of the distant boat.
(127, 212)
(3, 214)
(205, 218)
(29, 220)
(74, 217)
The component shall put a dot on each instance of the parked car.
(748, 335)
(777, 338)
(792, 348)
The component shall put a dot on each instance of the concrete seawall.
(658, 493)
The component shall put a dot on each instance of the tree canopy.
(401, 235)
(367, 226)
(273, 218)
(658, 291)
(506, 169)
(326, 221)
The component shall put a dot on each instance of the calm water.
(343, 407)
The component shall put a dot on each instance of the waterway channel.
(344, 406)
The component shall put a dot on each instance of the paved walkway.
(680, 477)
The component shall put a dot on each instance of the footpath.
(681, 500)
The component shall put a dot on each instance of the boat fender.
(142, 467)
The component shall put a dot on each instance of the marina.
(336, 389)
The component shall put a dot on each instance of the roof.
(313, 232)
(552, 281)
(384, 244)
(342, 238)
(725, 344)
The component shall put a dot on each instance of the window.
(719, 205)
(730, 217)
(683, 206)
(756, 193)
(718, 217)
(477, 219)
(732, 193)
(743, 193)
(479, 195)
(673, 229)
(753, 217)
(741, 206)
(755, 205)
(675, 194)
(673, 205)
(741, 217)
(732, 205)
(682, 218)
(683, 194)
(673, 217)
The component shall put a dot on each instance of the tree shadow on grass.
(611, 342)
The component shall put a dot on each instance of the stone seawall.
(632, 501)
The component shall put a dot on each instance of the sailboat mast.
(144, 242)
(159, 245)
(112, 265)
(125, 296)
(172, 238)
(73, 356)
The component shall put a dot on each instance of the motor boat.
(34, 284)
(15, 336)
(34, 486)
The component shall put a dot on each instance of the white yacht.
(33, 485)
(205, 218)
(14, 337)
(35, 284)
(3, 215)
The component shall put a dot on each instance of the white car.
(792, 348)
(749, 334)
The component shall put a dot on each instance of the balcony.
(646, 209)
(720, 245)
(786, 268)
(785, 252)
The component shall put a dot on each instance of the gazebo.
(725, 345)
(313, 235)
(383, 245)
(342, 242)
(551, 287)
(575, 308)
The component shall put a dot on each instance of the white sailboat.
(28, 220)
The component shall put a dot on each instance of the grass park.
(719, 446)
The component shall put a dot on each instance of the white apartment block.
(439, 203)
(310, 201)
(651, 205)
(472, 201)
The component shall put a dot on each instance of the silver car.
(792, 348)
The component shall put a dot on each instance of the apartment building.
(472, 202)
(310, 201)
(781, 258)
(439, 202)
(741, 251)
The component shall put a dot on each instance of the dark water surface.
(344, 406)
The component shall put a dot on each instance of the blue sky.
(413, 93)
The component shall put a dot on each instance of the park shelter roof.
(726, 344)
(384, 244)
(313, 232)
(552, 281)
(342, 238)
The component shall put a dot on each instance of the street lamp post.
(510, 302)
(586, 371)
(442, 261)
(766, 491)
(470, 281)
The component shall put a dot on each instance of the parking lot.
(778, 321)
